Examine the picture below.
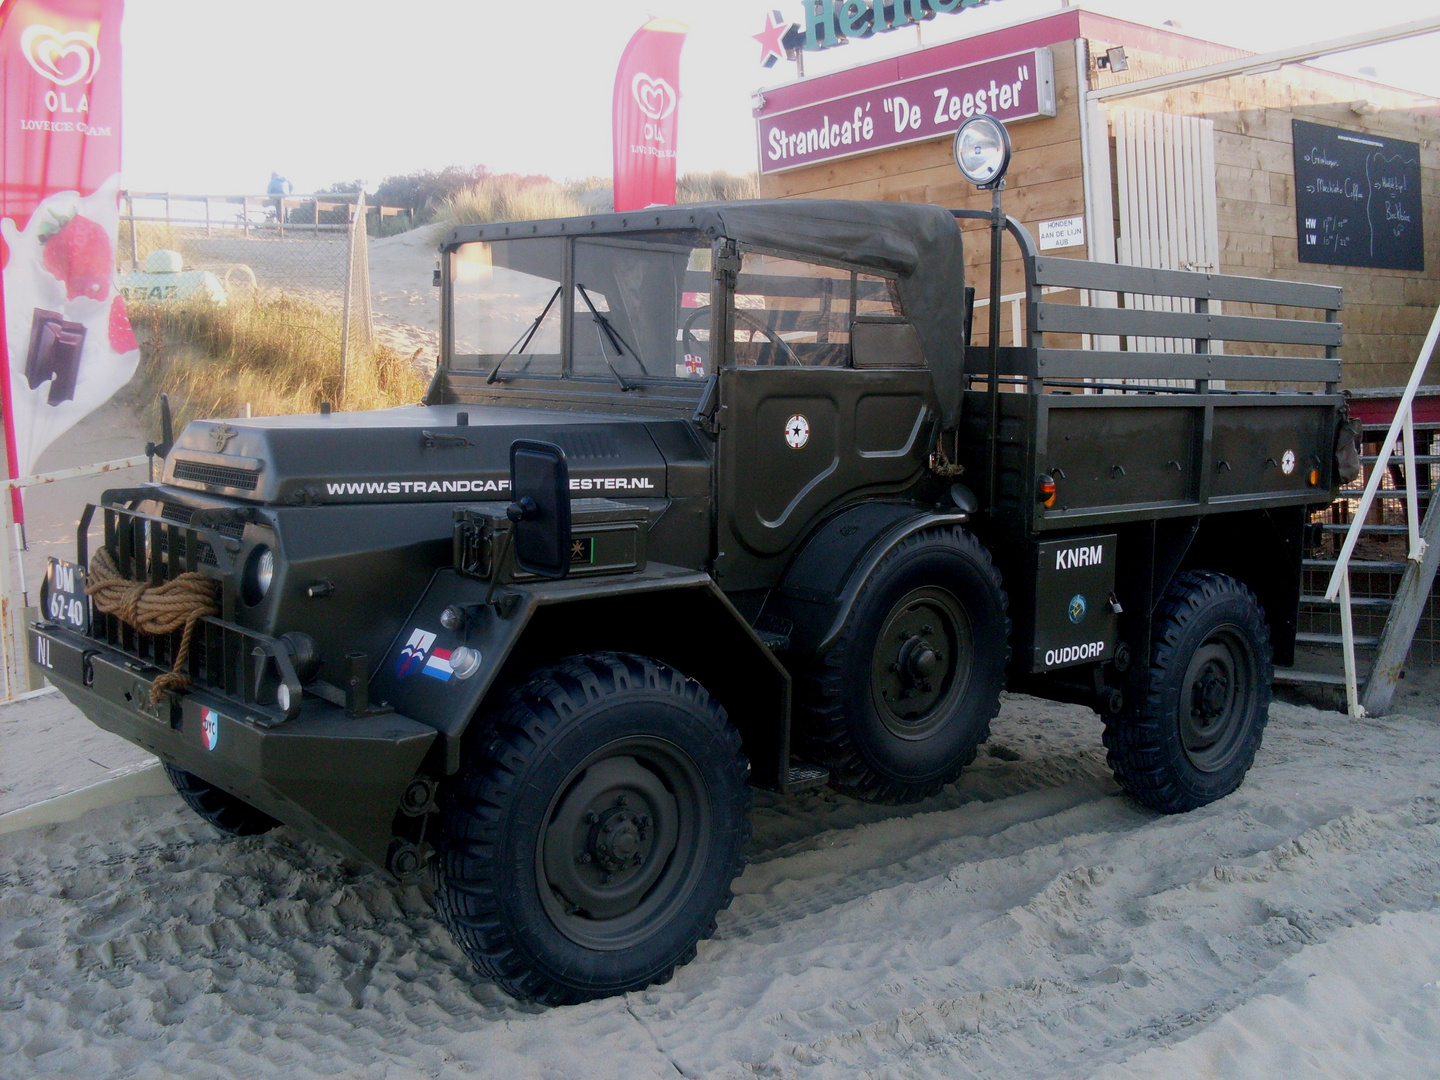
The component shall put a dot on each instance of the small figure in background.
(279, 187)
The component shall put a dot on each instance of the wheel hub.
(919, 660)
(609, 839)
(1212, 692)
(1216, 699)
(920, 665)
(617, 840)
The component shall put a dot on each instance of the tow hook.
(406, 859)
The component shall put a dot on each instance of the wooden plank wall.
(1047, 181)
(1387, 312)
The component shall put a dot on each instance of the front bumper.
(336, 778)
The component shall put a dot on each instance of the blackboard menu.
(1357, 199)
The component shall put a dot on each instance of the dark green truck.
(702, 498)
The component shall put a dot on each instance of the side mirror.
(540, 487)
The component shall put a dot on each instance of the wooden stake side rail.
(1039, 364)
(1135, 322)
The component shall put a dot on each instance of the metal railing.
(249, 216)
(1401, 428)
(14, 680)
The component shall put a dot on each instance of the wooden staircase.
(1376, 570)
(1391, 552)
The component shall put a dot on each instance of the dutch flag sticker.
(438, 666)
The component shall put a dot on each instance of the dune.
(404, 304)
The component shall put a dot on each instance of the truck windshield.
(638, 306)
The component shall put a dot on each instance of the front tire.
(232, 816)
(1193, 735)
(593, 837)
(901, 703)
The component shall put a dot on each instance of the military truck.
(703, 499)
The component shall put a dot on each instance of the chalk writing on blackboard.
(1357, 199)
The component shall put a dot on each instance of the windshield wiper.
(523, 341)
(605, 330)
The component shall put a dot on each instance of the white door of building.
(1165, 186)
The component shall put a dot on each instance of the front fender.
(673, 614)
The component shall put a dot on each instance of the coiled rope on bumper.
(154, 609)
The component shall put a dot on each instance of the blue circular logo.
(1077, 610)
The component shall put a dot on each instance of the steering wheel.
(741, 313)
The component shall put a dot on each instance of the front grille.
(150, 549)
(226, 659)
(222, 476)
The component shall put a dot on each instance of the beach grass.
(716, 185)
(511, 198)
(275, 353)
(532, 198)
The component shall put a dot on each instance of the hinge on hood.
(441, 438)
(707, 413)
(728, 261)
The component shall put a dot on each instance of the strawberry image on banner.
(646, 116)
(66, 345)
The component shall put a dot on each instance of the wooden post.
(1409, 605)
(134, 243)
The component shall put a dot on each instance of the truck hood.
(413, 454)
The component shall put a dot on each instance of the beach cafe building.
(1149, 147)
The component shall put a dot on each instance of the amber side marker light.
(1314, 477)
(1047, 490)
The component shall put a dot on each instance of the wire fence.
(299, 244)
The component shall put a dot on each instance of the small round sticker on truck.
(209, 728)
(1287, 462)
(797, 431)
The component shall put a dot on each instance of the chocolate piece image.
(54, 354)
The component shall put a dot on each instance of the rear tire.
(592, 838)
(1192, 735)
(232, 816)
(901, 703)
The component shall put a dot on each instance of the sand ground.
(404, 302)
(47, 749)
(1028, 922)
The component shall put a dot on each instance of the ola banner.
(646, 107)
(66, 344)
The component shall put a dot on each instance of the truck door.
(802, 428)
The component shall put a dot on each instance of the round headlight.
(465, 661)
(982, 150)
(452, 618)
(259, 575)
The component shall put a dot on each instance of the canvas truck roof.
(919, 243)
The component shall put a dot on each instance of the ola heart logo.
(64, 59)
(656, 97)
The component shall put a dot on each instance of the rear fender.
(821, 584)
(670, 614)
